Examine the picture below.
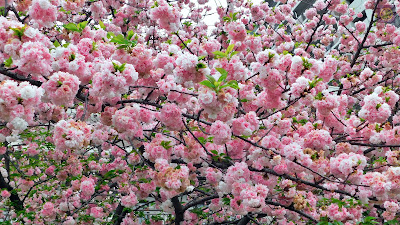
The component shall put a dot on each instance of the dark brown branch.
(318, 24)
(291, 208)
(199, 201)
(14, 198)
(361, 45)
(178, 210)
(373, 145)
(12, 8)
(18, 77)
(286, 176)
(245, 220)
(378, 45)
(184, 44)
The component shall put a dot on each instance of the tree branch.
(291, 208)
(178, 210)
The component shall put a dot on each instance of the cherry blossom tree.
(110, 109)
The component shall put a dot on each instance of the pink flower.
(374, 109)
(167, 17)
(3, 150)
(221, 132)
(245, 125)
(129, 200)
(48, 209)
(61, 88)
(170, 115)
(5, 194)
(127, 122)
(71, 135)
(35, 59)
(43, 12)
(281, 168)
(87, 187)
(96, 212)
(236, 31)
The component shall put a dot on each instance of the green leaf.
(56, 44)
(391, 222)
(129, 35)
(200, 66)
(232, 83)
(215, 152)
(226, 201)
(184, 44)
(122, 67)
(208, 84)
(234, 53)
(8, 62)
(244, 100)
(110, 35)
(220, 54)
(223, 73)
(82, 25)
(187, 23)
(303, 121)
(202, 140)
(165, 144)
(319, 96)
(94, 47)
(3, 13)
(19, 32)
(211, 79)
(226, 19)
(71, 27)
(71, 57)
(119, 39)
(102, 25)
(201, 57)
(234, 16)
(230, 48)
(116, 67)
(307, 65)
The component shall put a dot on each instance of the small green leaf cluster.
(302, 121)
(232, 17)
(307, 65)
(199, 212)
(3, 13)
(325, 221)
(187, 23)
(166, 144)
(65, 11)
(319, 96)
(184, 44)
(314, 82)
(218, 85)
(204, 141)
(119, 68)
(57, 44)
(19, 32)
(8, 62)
(200, 66)
(228, 54)
(101, 24)
(123, 42)
(219, 156)
(76, 27)
(346, 203)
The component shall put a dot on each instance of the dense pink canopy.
(284, 112)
